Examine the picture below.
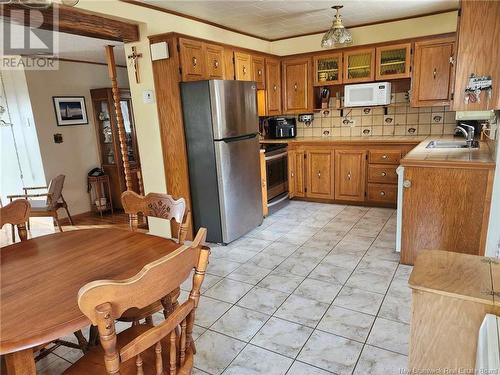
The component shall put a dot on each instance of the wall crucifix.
(134, 61)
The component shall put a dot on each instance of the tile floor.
(317, 289)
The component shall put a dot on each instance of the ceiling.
(278, 19)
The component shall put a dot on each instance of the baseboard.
(65, 220)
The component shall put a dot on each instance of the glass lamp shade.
(336, 37)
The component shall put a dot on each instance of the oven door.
(277, 173)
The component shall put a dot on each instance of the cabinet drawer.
(385, 174)
(382, 193)
(385, 156)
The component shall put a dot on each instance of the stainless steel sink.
(451, 144)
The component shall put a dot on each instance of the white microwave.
(367, 94)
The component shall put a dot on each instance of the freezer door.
(238, 178)
(234, 108)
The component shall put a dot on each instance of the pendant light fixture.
(338, 35)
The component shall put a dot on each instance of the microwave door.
(360, 96)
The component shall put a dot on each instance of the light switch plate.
(148, 96)
(159, 51)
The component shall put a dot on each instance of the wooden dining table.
(41, 277)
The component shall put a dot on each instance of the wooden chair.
(158, 205)
(48, 207)
(16, 213)
(165, 207)
(145, 349)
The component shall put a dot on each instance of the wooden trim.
(76, 21)
(193, 18)
(65, 220)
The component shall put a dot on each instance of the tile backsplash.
(400, 120)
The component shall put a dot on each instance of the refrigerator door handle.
(240, 138)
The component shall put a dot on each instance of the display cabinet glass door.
(393, 61)
(106, 134)
(359, 65)
(129, 130)
(327, 69)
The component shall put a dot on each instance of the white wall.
(79, 151)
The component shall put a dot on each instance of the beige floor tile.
(390, 335)
(375, 361)
(214, 352)
(253, 360)
(302, 310)
(263, 300)
(347, 323)
(240, 323)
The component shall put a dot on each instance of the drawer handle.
(319, 174)
(382, 193)
(244, 70)
(293, 174)
(349, 175)
(216, 64)
(434, 73)
(195, 61)
(295, 86)
(384, 156)
(383, 174)
(259, 72)
(275, 87)
(407, 184)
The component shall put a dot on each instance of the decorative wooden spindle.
(182, 356)
(107, 335)
(138, 364)
(119, 116)
(159, 359)
(173, 354)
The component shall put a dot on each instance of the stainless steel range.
(276, 156)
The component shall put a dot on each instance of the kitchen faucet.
(469, 135)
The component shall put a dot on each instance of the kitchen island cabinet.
(451, 294)
(446, 200)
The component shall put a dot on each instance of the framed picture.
(70, 110)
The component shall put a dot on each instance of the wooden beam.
(119, 116)
(73, 21)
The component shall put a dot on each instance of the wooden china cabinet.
(109, 144)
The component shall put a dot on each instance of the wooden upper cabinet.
(319, 173)
(393, 61)
(273, 84)
(228, 63)
(242, 66)
(432, 82)
(258, 72)
(359, 65)
(297, 90)
(327, 69)
(478, 53)
(193, 62)
(350, 171)
(215, 61)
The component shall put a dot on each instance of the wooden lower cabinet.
(437, 216)
(350, 167)
(319, 182)
(346, 173)
(296, 182)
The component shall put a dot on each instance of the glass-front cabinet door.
(129, 130)
(105, 132)
(359, 65)
(328, 69)
(393, 61)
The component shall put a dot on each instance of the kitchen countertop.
(418, 156)
(449, 157)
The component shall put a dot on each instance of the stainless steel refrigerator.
(221, 127)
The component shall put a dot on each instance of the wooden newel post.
(119, 117)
